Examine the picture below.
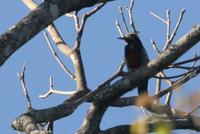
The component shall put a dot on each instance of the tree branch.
(167, 57)
(33, 23)
(104, 96)
(21, 78)
(150, 126)
(123, 18)
(53, 91)
(67, 71)
(107, 95)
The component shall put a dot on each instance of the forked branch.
(21, 77)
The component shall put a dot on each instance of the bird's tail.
(142, 89)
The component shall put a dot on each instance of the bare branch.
(186, 67)
(57, 58)
(155, 46)
(115, 75)
(82, 25)
(119, 28)
(130, 9)
(185, 61)
(158, 17)
(70, 14)
(158, 86)
(25, 29)
(177, 24)
(169, 97)
(175, 29)
(154, 123)
(194, 62)
(52, 91)
(76, 21)
(50, 127)
(74, 55)
(123, 18)
(21, 77)
(168, 26)
(177, 83)
(26, 123)
(175, 76)
(193, 110)
(168, 81)
(125, 84)
(30, 4)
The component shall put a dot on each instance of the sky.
(101, 51)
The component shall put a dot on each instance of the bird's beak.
(121, 38)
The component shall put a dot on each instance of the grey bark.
(37, 20)
(102, 97)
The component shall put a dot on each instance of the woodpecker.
(135, 57)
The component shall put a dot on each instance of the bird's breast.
(133, 60)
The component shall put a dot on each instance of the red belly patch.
(134, 60)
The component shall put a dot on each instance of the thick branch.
(103, 96)
(107, 95)
(91, 122)
(26, 123)
(74, 54)
(170, 55)
(150, 127)
(37, 20)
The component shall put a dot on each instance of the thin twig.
(169, 97)
(119, 28)
(76, 21)
(123, 18)
(158, 87)
(144, 112)
(193, 64)
(118, 73)
(178, 83)
(158, 17)
(168, 81)
(53, 91)
(173, 77)
(185, 67)
(21, 77)
(57, 58)
(168, 26)
(185, 61)
(30, 4)
(130, 9)
(155, 46)
(82, 25)
(194, 110)
(50, 83)
(178, 23)
(175, 29)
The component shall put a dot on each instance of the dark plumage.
(135, 57)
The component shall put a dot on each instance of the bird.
(135, 56)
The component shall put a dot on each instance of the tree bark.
(37, 20)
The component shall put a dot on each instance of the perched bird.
(135, 57)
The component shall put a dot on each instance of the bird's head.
(130, 37)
